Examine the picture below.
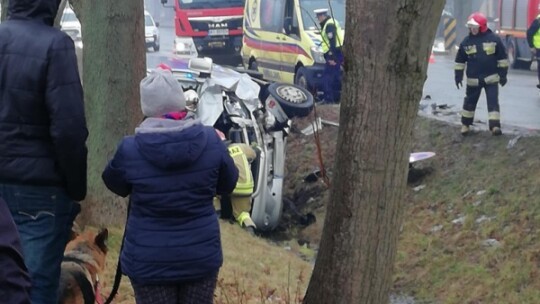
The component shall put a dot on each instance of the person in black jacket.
(42, 137)
(484, 56)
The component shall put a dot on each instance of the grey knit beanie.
(161, 94)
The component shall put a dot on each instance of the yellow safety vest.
(536, 37)
(326, 41)
(245, 184)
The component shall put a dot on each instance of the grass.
(438, 261)
(494, 188)
(474, 177)
(254, 270)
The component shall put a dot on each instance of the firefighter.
(243, 155)
(484, 56)
(533, 38)
(332, 39)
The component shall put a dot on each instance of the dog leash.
(118, 274)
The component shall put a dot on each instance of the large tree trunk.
(4, 6)
(114, 63)
(386, 49)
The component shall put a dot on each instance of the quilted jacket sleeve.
(114, 175)
(64, 100)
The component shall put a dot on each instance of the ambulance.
(282, 40)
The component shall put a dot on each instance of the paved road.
(519, 99)
(166, 40)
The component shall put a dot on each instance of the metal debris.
(491, 243)
(314, 125)
(418, 188)
(512, 142)
(459, 220)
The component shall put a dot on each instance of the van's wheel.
(301, 79)
(294, 100)
(513, 62)
(253, 66)
(511, 50)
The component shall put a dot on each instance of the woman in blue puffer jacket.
(172, 167)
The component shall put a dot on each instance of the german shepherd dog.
(84, 261)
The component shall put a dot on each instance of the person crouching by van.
(243, 155)
(332, 40)
(171, 168)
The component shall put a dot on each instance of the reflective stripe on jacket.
(326, 40)
(536, 37)
(240, 153)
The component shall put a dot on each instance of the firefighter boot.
(496, 131)
(465, 130)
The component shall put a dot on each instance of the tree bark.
(77, 6)
(114, 63)
(386, 48)
(4, 6)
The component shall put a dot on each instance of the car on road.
(247, 110)
(151, 32)
(70, 24)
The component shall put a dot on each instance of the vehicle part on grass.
(329, 123)
(313, 176)
(419, 156)
(313, 126)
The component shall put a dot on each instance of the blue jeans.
(44, 217)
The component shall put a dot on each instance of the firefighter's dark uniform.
(484, 57)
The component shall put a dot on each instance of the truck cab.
(282, 40)
(208, 28)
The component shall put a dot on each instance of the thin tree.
(387, 45)
(4, 7)
(114, 62)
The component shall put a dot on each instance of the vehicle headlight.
(317, 54)
(183, 46)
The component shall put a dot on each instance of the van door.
(290, 42)
(271, 18)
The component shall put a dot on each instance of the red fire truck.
(514, 17)
(208, 28)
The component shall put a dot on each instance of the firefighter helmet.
(478, 20)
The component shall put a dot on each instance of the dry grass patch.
(254, 270)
